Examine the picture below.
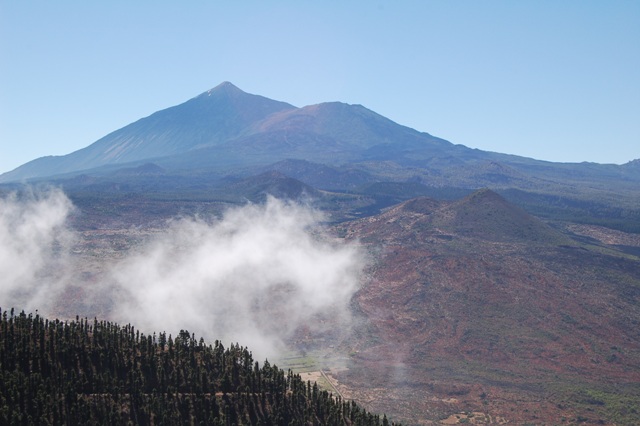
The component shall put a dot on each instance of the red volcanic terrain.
(475, 306)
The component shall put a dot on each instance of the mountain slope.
(478, 301)
(486, 215)
(330, 133)
(275, 184)
(320, 175)
(352, 126)
(208, 119)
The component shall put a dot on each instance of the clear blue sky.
(553, 80)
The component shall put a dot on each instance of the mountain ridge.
(227, 115)
(227, 132)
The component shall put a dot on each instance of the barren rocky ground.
(525, 324)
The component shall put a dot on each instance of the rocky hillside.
(477, 303)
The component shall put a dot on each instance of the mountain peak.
(225, 84)
(487, 215)
(226, 87)
(483, 195)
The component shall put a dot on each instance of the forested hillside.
(97, 372)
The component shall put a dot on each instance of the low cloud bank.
(34, 248)
(253, 277)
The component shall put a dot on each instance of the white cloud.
(253, 277)
(34, 244)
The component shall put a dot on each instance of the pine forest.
(90, 372)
